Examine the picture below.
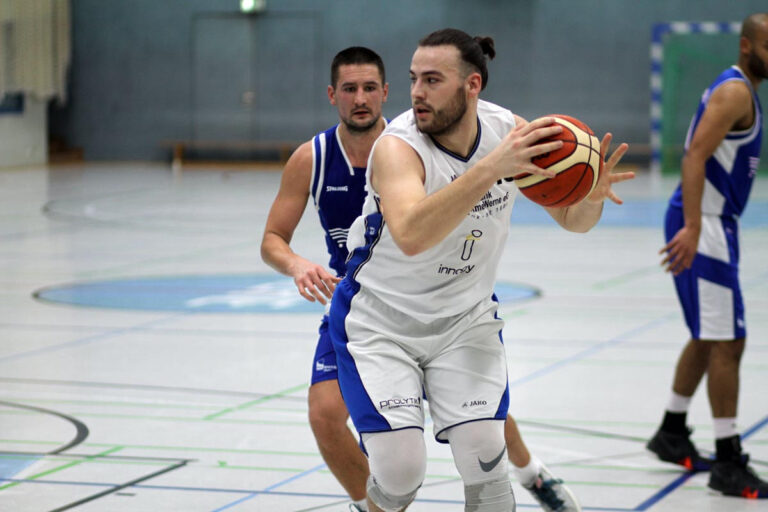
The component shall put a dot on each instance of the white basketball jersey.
(458, 272)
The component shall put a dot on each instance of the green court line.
(625, 278)
(63, 467)
(250, 403)
(171, 418)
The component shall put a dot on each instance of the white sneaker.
(552, 494)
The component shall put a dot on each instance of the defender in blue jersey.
(722, 151)
(331, 169)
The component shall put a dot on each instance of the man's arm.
(418, 221)
(312, 280)
(729, 106)
(583, 216)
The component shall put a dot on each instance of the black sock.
(728, 448)
(674, 423)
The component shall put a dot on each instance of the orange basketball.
(577, 164)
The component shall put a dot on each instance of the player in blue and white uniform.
(722, 152)
(330, 169)
(415, 313)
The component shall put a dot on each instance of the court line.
(141, 387)
(81, 431)
(88, 339)
(61, 468)
(655, 498)
(257, 401)
(593, 350)
(267, 489)
(120, 487)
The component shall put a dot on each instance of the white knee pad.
(398, 463)
(479, 451)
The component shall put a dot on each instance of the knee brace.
(479, 451)
(494, 496)
(398, 463)
(385, 501)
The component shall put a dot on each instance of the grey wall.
(132, 82)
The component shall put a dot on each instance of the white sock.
(527, 475)
(678, 403)
(361, 504)
(724, 427)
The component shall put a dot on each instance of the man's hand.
(314, 282)
(681, 250)
(603, 188)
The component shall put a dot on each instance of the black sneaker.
(736, 478)
(678, 449)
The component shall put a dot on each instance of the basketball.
(577, 164)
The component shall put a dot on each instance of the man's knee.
(387, 501)
(727, 353)
(398, 463)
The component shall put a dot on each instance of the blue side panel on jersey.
(361, 408)
(501, 412)
(317, 159)
(373, 226)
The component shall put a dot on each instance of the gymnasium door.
(254, 77)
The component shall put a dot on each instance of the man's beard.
(361, 128)
(445, 120)
(756, 66)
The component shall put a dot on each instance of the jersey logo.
(331, 188)
(469, 243)
(339, 235)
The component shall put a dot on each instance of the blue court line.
(688, 474)
(276, 493)
(86, 340)
(591, 350)
(271, 487)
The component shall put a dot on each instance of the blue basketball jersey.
(338, 191)
(731, 169)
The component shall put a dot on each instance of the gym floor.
(150, 361)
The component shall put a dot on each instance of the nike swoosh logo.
(488, 466)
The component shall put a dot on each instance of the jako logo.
(394, 403)
(474, 403)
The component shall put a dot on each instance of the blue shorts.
(324, 365)
(709, 291)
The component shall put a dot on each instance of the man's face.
(438, 93)
(358, 95)
(758, 56)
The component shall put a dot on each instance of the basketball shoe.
(678, 449)
(736, 478)
(552, 494)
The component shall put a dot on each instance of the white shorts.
(389, 361)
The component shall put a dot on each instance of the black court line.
(81, 430)
(120, 487)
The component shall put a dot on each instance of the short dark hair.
(473, 50)
(750, 24)
(356, 55)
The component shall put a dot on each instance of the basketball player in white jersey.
(415, 313)
(330, 169)
(722, 152)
